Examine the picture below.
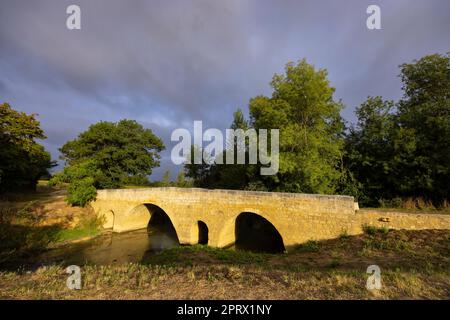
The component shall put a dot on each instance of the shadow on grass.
(392, 249)
(18, 242)
(202, 254)
(425, 250)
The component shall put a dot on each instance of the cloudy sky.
(167, 63)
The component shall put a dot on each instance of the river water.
(112, 248)
(135, 246)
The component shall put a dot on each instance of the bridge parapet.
(297, 217)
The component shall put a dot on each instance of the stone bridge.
(296, 217)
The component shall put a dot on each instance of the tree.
(424, 111)
(239, 121)
(402, 150)
(311, 137)
(82, 177)
(311, 142)
(199, 173)
(22, 160)
(122, 152)
(181, 181)
(223, 176)
(234, 176)
(166, 178)
(370, 153)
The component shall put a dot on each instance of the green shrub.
(83, 179)
(81, 192)
(309, 246)
(336, 262)
(372, 230)
(391, 203)
(76, 172)
(344, 235)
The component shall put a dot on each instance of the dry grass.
(135, 281)
(47, 205)
(414, 265)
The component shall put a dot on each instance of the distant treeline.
(397, 150)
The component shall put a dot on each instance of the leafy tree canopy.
(122, 152)
(425, 112)
(22, 160)
(311, 142)
(402, 149)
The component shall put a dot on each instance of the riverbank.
(33, 222)
(414, 265)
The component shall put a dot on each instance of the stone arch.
(226, 235)
(160, 220)
(140, 216)
(199, 233)
(107, 219)
(203, 231)
(255, 232)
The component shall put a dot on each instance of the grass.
(19, 242)
(87, 227)
(414, 265)
(33, 221)
(190, 255)
(309, 246)
(409, 210)
(336, 262)
(372, 230)
(219, 281)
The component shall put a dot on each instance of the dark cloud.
(167, 63)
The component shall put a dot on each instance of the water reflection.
(113, 248)
(253, 233)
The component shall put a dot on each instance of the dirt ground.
(48, 206)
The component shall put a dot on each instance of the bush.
(373, 230)
(81, 192)
(309, 246)
(83, 179)
(392, 203)
(256, 186)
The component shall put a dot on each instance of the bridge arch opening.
(160, 228)
(202, 233)
(255, 233)
(108, 219)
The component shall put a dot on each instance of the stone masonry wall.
(297, 217)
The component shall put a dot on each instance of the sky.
(168, 63)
